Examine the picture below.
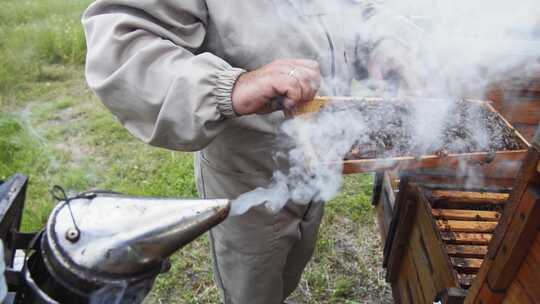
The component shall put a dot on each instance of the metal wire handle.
(59, 194)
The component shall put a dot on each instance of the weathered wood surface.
(479, 159)
(399, 233)
(466, 226)
(467, 251)
(470, 197)
(527, 282)
(466, 215)
(517, 241)
(433, 246)
(466, 238)
(422, 263)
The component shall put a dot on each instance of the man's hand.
(294, 80)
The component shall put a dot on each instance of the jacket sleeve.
(143, 63)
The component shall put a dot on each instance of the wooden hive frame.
(425, 161)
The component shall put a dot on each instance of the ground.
(55, 130)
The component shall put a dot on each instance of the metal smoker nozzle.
(113, 238)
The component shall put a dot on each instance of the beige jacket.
(166, 68)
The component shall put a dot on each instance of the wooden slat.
(423, 286)
(461, 238)
(470, 197)
(389, 188)
(383, 229)
(479, 159)
(518, 240)
(466, 265)
(396, 293)
(405, 292)
(466, 215)
(422, 262)
(467, 251)
(466, 226)
(399, 231)
(435, 247)
(410, 281)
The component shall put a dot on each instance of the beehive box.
(511, 273)
(457, 241)
(409, 162)
(438, 238)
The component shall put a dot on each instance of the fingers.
(309, 81)
(295, 80)
(299, 77)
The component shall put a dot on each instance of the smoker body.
(98, 247)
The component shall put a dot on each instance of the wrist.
(226, 81)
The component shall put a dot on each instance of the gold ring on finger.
(291, 73)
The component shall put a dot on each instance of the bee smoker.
(98, 247)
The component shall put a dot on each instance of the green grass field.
(55, 130)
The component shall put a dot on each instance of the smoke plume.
(455, 49)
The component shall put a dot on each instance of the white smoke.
(457, 49)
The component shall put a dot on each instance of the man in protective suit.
(203, 75)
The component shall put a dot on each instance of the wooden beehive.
(405, 162)
(451, 240)
(438, 238)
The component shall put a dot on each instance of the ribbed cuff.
(223, 91)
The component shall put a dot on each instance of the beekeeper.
(194, 75)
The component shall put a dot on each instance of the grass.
(55, 130)
(34, 33)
